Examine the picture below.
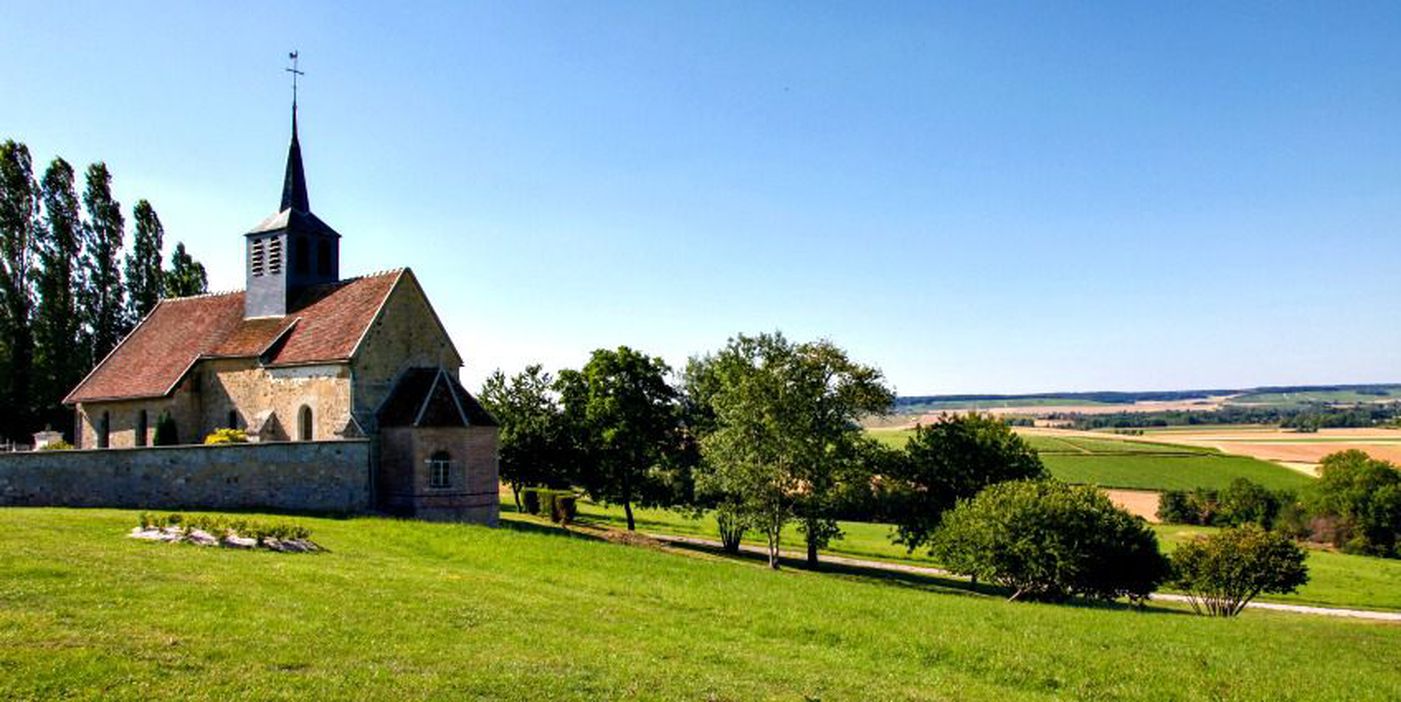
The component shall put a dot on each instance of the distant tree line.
(1307, 417)
(68, 294)
(917, 403)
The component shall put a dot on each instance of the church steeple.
(293, 249)
(294, 183)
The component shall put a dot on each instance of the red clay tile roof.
(325, 326)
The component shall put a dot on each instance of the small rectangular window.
(439, 473)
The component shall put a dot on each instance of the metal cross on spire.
(293, 70)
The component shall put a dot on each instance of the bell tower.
(293, 248)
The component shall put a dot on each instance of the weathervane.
(293, 70)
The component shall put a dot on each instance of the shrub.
(226, 436)
(59, 445)
(732, 523)
(166, 434)
(1223, 572)
(547, 502)
(1045, 540)
(1174, 507)
(565, 508)
(530, 498)
(1356, 504)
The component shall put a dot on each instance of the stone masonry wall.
(404, 478)
(315, 476)
(406, 335)
(243, 386)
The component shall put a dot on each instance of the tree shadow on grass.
(527, 525)
(928, 582)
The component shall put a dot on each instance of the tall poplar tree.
(143, 265)
(19, 210)
(101, 299)
(186, 275)
(59, 359)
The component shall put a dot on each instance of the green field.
(1336, 579)
(1140, 465)
(407, 611)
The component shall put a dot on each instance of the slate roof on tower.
(325, 325)
(294, 213)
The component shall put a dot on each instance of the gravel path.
(928, 570)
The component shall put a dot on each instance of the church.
(305, 355)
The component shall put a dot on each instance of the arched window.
(323, 257)
(141, 422)
(302, 254)
(304, 432)
(104, 430)
(233, 419)
(440, 470)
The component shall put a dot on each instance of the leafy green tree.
(19, 220)
(785, 437)
(1359, 498)
(1247, 502)
(1223, 572)
(144, 277)
(953, 459)
(622, 421)
(530, 447)
(102, 293)
(1045, 540)
(59, 359)
(186, 276)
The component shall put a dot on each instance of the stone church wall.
(241, 386)
(405, 335)
(315, 476)
(123, 419)
(404, 474)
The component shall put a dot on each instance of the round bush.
(1045, 540)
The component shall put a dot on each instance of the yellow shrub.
(227, 436)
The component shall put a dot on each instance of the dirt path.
(939, 572)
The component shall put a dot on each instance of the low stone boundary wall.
(311, 476)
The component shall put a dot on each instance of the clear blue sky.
(976, 197)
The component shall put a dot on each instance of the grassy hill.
(1121, 463)
(403, 610)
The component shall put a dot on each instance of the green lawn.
(1336, 579)
(407, 611)
(1140, 465)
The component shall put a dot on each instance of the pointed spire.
(294, 183)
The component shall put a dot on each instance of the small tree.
(1223, 572)
(1045, 540)
(166, 434)
(951, 460)
(623, 422)
(784, 436)
(1359, 498)
(530, 442)
(1246, 502)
